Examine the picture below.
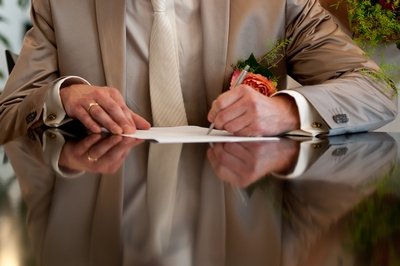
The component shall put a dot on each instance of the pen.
(238, 81)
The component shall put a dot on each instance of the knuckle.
(233, 126)
(97, 93)
(223, 158)
(222, 117)
(113, 112)
(113, 91)
(74, 105)
(252, 105)
(229, 127)
(218, 104)
(109, 124)
(219, 170)
(96, 111)
(79, 113)
(88, 122)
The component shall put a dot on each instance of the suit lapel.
(112, 38)
(215, 21)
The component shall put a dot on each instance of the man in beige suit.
(88, 60)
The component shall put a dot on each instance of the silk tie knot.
(159, 5)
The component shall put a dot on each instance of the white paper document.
(191, 134)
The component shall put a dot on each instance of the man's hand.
(244, 111)
(242, 164)
(96, 153)
(98, 107)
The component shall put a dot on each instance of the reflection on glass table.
(13, 246)
(106, 200)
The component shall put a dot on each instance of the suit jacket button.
(30, 117)
(316, 125)
(51, 117)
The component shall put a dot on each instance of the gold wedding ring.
(90, 158)
(91, 105)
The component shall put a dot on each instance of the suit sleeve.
(334, 71)
(22, 101)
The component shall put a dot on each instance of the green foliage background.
(372, 24)
(23, 4)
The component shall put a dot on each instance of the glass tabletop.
(110, 200)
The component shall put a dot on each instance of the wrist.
(290, 112)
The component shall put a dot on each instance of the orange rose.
(258, 82)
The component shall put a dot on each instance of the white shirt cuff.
(305, 158)
(311, 123)
(53, 110)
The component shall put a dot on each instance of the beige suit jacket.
(87, 39)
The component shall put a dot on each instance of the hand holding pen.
(238, 81)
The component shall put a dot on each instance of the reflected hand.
(96, 153)
(244, 111)
(98, 107)
(242, 164)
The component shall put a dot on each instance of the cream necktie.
(162, 178)
(165, 89)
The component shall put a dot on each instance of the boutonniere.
(259, 75)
